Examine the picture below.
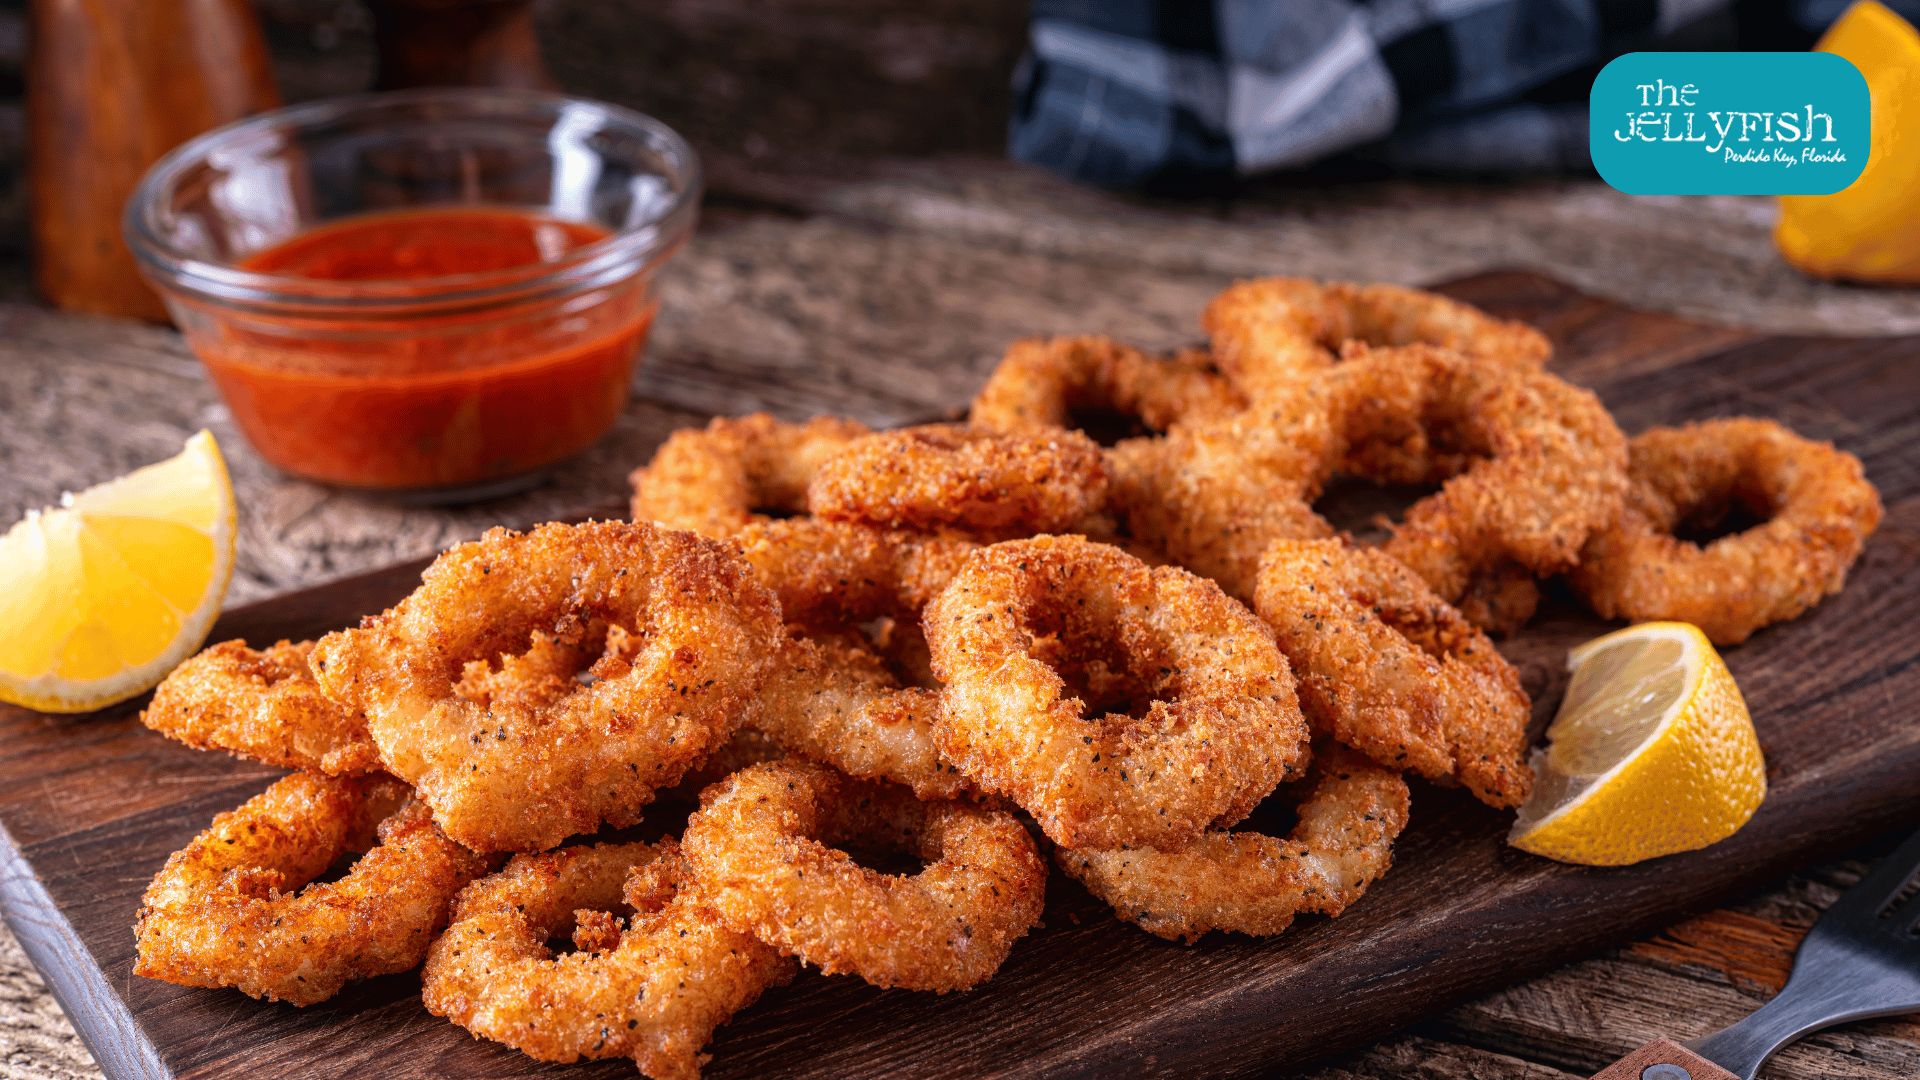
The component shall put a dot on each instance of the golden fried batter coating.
(768, 847)
(716, 479)
(1250, 883)
(1543, 463)
(1500, 599)
(1036, 638)
(262, 704)
(836, 574)
(832, 699)
(749, 746)
(1817, 510)
(1267, 333)
(946, 476)
(1211, 496)
(1528, 466)
(229, 908)
(525, 773)
(1387, 667)
(1045, 382)
(548, 670)
(828, 696)
(652, 988)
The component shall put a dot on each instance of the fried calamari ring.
(229, 910)
(1250, 883)
(1267, 333)
(549, 669)
(1049, 382)
(1815, 501)
(1211, 496)
(714, 480)
(902, 646)
(1530, 465)
(266, 705)
(834, 574)
(767, 846)
(1543, 463)
(831, 699)
(261, 704)
(1026, 623)
(1500, 599)
(524, 774)
(946, 476)
(652, 989)
(749, 746)
(1393, 435)
(1390, 669)
(827, 697)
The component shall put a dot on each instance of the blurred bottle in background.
(111, 86)
(457, 43)
(114, 84)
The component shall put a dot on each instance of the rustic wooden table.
(865, 252)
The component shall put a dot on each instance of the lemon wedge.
(1871, 230)
(102, 596)
(1652, 753)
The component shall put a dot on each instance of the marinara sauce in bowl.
(439, 292)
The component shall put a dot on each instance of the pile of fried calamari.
(961, 646)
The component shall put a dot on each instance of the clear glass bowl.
(451, 386)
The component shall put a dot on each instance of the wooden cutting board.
(91, 806)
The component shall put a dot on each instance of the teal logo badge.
(1695, 123)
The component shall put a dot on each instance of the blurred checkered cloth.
(1192, 93)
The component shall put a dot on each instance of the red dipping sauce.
(433, 395)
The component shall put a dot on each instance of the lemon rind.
(1696, 675)
(49, 692)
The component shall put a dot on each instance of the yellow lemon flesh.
(1652, 753)
(102, 596)
(1871, 230)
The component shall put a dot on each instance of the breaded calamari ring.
(768, 848)
(266, 705)
(947, 476)
(1267, 333)
(1544, 464)
(229, 909)
(1048, 382)
(261, 704)
(1500, 599)
(1250, 883)
(524, 774)
(548, 670)
(715, 479)
(1033, 635)
(827, 698)
(831, 699)
(652, 989)
(1211, 496)
(1818, 510)
(1392, 435)
(1387, 667)
(834, 574)
(902, 646)
(749, 746)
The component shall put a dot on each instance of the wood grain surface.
(92, 805)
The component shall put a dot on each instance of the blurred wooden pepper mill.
(114, 84)
(111, 86)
